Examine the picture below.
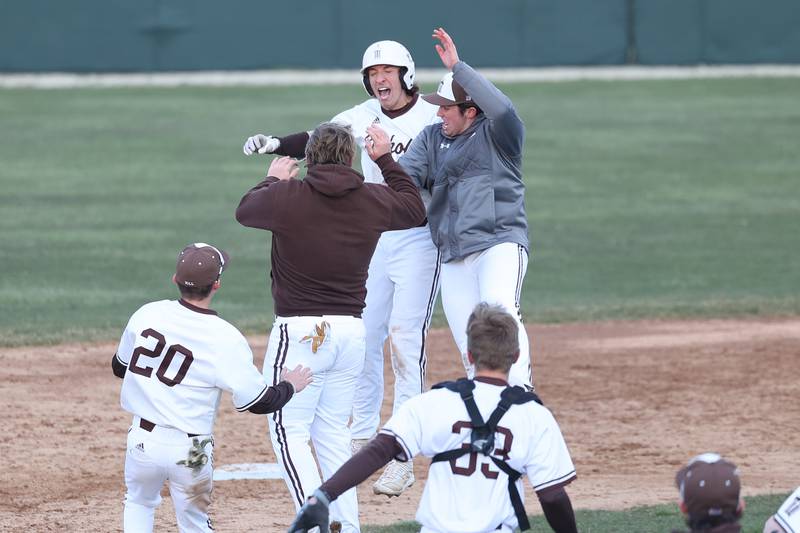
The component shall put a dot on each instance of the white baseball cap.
(450, 92)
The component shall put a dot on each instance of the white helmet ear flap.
(406, 78)
(365, 81)
(388, 53)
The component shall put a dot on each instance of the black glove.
(313, 513)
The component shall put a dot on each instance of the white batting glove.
(262, 144)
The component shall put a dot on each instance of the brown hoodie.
(324, 231)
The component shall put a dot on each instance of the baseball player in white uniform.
(403, 277)
(787, 519)
(482, 436)
(176, 358)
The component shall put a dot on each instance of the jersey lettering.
(502, 434)
(147, 371)
(170, 355)
(398, 147)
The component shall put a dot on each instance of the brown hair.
(463, 107)
(194, 293)
(331, 143)
(492, 337)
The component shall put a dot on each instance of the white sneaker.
(396, 478)
(357, 444)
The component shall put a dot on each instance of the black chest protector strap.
(482, 435)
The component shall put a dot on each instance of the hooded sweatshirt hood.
(333, 180)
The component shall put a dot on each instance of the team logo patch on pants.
(317, 335)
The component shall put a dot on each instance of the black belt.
(149, 426)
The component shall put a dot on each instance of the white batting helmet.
(388, 53)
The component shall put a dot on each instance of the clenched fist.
(262, 144)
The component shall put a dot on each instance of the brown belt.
(149, 426)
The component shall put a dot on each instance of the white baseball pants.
(149, 462)
(494, 276)
(402, 286)
(320, 412)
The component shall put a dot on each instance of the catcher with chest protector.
(482, 436)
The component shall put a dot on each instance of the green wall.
(168, 35)
(717, 31)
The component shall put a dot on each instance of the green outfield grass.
(651, 519)
(645, 199)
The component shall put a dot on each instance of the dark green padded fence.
(167, 35)
(683, 32)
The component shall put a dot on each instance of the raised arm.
(408, 211)
(294, 144)
(507, 128)
(258, 207)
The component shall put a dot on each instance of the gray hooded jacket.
(475, 178)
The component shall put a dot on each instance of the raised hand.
(283, 168)
(446, 49)
(377, 142)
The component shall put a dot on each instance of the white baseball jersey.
(401, 130)
(403, 277)
(788, 515)
(470, 494)
(180, 358)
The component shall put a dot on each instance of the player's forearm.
(274, 398)
(507, 129)
(293, 145)
(117, 367)
(409, 211)
(483, 92)
(376, 454)
(253, 210)
(557, 509)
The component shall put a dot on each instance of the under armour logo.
(444, 145)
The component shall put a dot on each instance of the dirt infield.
(634, 399)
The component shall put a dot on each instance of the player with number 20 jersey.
(175, 358)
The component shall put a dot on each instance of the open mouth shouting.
(384, 93)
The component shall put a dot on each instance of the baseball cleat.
(396, 478)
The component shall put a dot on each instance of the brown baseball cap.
(200, 265)
(450, 92)
(709, 486)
